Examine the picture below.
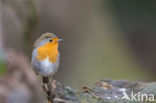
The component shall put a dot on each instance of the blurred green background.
(112, 39)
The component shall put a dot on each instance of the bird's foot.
(45, 87)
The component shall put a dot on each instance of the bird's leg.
(50, 78)
(45, 81)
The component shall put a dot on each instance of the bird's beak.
(60, 40)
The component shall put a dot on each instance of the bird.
(46, 56)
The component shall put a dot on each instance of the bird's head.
(47, 39)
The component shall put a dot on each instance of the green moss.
(91, 98)
(2, 67)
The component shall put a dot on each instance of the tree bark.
(103, 91)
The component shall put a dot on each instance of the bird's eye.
(50, 40)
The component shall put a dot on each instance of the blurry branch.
(18, 84)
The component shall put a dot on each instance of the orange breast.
(50, 51)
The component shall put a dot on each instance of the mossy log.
(103, 91)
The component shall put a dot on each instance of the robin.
(45, 56)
